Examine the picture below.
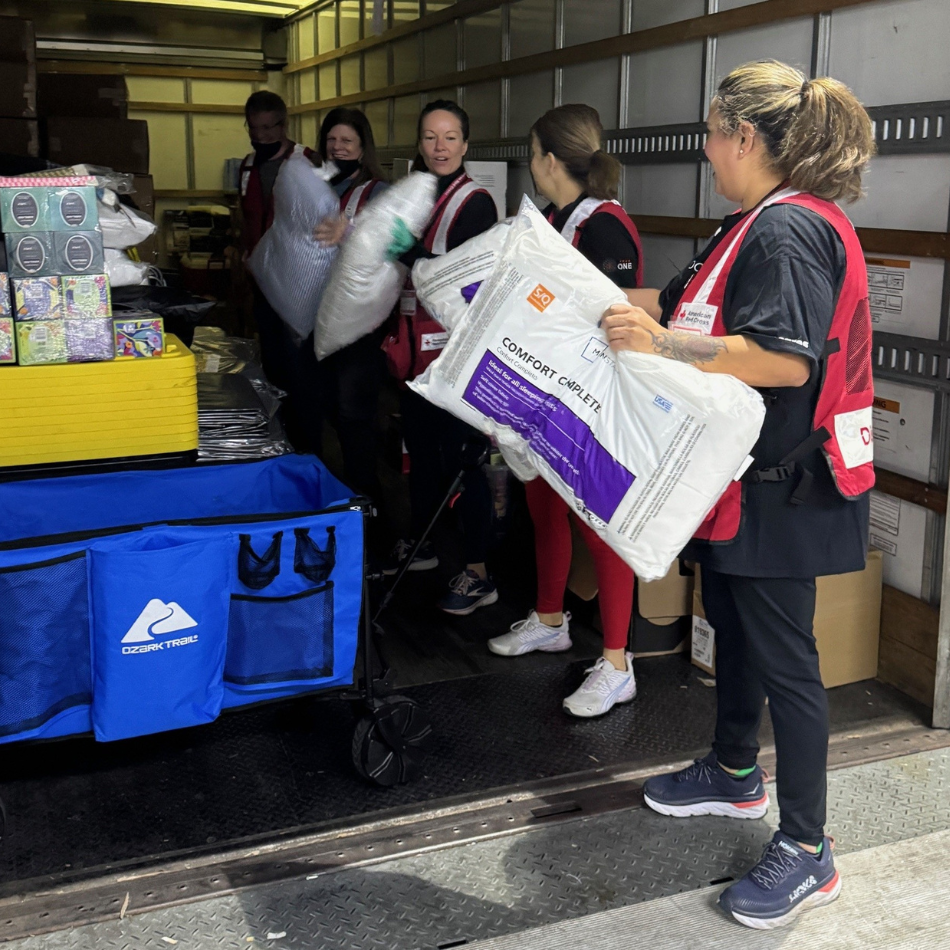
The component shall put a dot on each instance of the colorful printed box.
(7, 340)
(24, 209)
(6, 305)
(37, 298)
(73, 209)
(89, 339)
(140, 337)
(41, 342)
(78, 252)
(30, 255)
(87, 297)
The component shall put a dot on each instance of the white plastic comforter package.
(641, 447)
(364, 285)
(290, 267)
(439, 282)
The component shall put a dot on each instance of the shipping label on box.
(905, 294)
(79, 252)
(903, 428)
(89, 339)
(140, 337)
(703, 645)
(87, 297)
(6, 304)
(30, 255)
(41, 342)
(7, 340)
(73, 209)
(24, 209)
(899, 530)
(37, 298)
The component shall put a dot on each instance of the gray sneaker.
(603, 688)
(529, 635)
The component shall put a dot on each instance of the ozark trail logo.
(156, 620)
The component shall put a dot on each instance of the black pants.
(351, 380)
(765, 647)
(434, 439)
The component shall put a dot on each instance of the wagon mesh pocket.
(44, 642)
(280, 639)
(315, 564)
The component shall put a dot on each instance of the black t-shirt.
(782, 292)
(605, 242)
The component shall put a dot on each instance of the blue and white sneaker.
(704, 788)
(604, 687)
(468, 592)
(425, 560)
(785, 882)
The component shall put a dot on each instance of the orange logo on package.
(541, 298)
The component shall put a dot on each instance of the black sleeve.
(784, 286)
(476, 217)
(607, 244)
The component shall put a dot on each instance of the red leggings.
(552, 542)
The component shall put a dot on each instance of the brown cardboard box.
(847, 625)
(20, 137)
(82, 96)
(17, 40)
(120, 144)
(18, 90)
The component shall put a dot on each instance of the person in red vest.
(435, 438)
(570, 167)
(779, 299)
(290, 366)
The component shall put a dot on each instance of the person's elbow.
(794, 371)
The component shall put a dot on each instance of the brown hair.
(572, 133)
(439, 105)
(265, 101)
(817, 134)
(357, 121)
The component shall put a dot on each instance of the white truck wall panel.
(906, 294)
(376, 68)
(405, 120)
(591, 20)
(482, 39)
(893, 52)
(664, 257)
(665, 86)
(531, 27)
(907, 192)
(660, 189)
(483, 104)
(350, 75)
(650, 13)
(378, 115)
(899, 529)
(531, 96)
(903, 428)
(789, 41)
(406, 58)
(519, 185)
(440, 50)
(595, 84)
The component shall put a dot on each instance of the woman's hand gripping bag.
(159, 630)
(365, 283)
(639, 446)
(290, 267)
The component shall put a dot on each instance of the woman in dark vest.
(778, 298)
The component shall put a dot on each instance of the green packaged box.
(7, 340)
(6, 306)
(41, 342)
(78, 252)
(73, 209)
(37, 298)
(87, 297)
(30, 255)
(24, 209)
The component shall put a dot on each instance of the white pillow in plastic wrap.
(641, 447)
(123, 226)
(124, 272)
(439, 281)
(364, 285)
(290, 267)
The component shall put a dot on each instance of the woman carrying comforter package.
(778, 298)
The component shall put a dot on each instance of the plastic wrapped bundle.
(290, 267)
(364, 285)
(641, 447)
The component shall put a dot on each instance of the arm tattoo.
(687, 347)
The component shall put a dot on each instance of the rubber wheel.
(390, 742)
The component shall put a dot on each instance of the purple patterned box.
(7, 340)
(6, 307)
(38, 298)
(86, 297)
(89, 339)
(139, 337)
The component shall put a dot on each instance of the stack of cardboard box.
(19, 130)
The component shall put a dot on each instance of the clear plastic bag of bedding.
(641, 447)
(364, 285)
(290, 267)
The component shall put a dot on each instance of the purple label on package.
(560, 437)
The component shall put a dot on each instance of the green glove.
(402, 239)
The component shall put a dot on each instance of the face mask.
(346, 167)
(265, 151)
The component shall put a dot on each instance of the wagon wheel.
(389, 743)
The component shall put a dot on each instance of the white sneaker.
(604, 687)
(529, 635)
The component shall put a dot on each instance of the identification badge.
(434, 341)
(695, 318)
(854, 432)
(407, 303)
(245, 178)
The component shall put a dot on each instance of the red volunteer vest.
(416, 340)
(842, 424)
(354, 199)
(257, 217)
(574, 227)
